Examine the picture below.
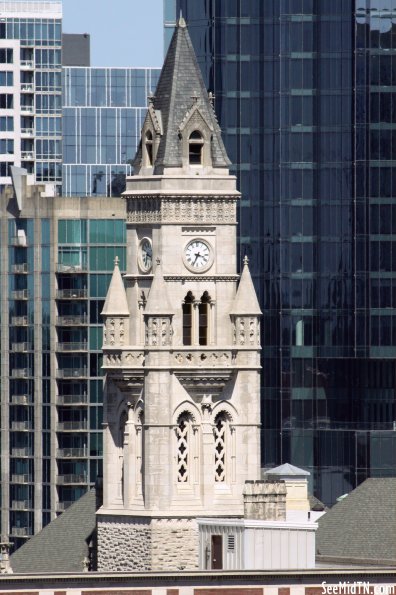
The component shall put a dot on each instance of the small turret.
(245, 311)
(158, 312)
(116, 312)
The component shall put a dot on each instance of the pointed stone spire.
(180, 81)
(246, 302)
(116, 303)
(158, 303)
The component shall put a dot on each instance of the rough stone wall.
(124, 544)
(175, 544)
(265, 500)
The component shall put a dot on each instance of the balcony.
(21, 400)
(71, 453)
(67, 347)
(19, 241)
(20, 294)
(21, 347)
(72, 320)
(27, 64)
(21, 531)
(21, 505)
(21, 373)
(66, 373)
(27, 87)
(19, 321)
(67, 426)
(21, 478)
(71, 269)
(27, 132)
(19, 269)
(22, 425)
(71, 479)
(71, 294)
(72, 400)
(27, 155)
(27, 109)
(22, 452)
(61, 506)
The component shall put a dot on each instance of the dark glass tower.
(305, 92)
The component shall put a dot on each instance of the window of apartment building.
(6, 124)
(6, 56)
(6, 78)
(5, 168)
(6, 101)
(6, 146)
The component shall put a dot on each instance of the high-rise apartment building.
(57, 253)
(57, 258)
(305, 94)
(31, 90)
(103, 111)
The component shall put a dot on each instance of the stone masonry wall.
(175, 544)
(124, 544)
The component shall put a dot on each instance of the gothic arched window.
(195, 148)
(220, 435)
(149, 147)
(188, 308)
(183, 436)
(203, 323)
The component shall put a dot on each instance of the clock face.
(198, 255)
(145, 255)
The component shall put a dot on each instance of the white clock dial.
(145, 254)
(198, 255)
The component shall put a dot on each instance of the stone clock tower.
(181, 341)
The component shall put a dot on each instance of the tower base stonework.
(147, 544)
(124, 543)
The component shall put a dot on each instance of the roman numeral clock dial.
(198, 256)
(145, 255)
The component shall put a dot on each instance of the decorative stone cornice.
(177, 278)
(182, 210)
(199, 384)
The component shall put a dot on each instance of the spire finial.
(245, 261)
(116, 261)
(181, 22)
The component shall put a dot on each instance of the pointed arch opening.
(188, 308)
(184, 446)
(203, 319)
(195, 148)
(221, 442)
(148, 139)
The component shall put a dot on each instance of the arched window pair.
(195, 148)
(222, 447)
(194, 328)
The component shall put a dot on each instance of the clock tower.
(181, 340)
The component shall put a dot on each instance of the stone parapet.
(265, 500)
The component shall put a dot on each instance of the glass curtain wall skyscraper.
(103, 111)
(31, 89)
(305, 92)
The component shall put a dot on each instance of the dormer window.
(149, 147)
(195, 148)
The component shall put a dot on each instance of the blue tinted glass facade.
(103, 111)
(304, 95)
